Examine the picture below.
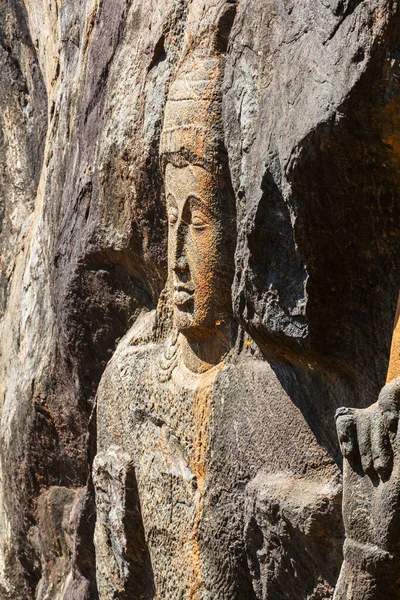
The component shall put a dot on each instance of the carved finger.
(347, 432)
(380, 446)
(389, 403)
(363, 425)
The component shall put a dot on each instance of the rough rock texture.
(310, 118)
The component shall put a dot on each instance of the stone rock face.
(208, 467)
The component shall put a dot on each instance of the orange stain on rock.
(202, 419)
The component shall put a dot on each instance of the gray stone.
(308, 150)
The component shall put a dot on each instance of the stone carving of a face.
(199, 198)
(195, 249)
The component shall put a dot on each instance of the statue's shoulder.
(130, 357)
(137, 342)
(139, 339)
(123, 378)
(142, 331)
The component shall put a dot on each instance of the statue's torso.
(227, 472)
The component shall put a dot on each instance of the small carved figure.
(369, 440)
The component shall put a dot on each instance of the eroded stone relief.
(232, 503)
(218, 471)
(371, 492)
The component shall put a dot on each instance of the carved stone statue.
(190, 415)
(369, 440)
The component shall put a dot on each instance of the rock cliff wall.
(310, 117)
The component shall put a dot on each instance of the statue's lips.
(183, 295)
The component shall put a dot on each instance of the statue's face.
(195, 250)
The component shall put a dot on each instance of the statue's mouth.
(183, 295)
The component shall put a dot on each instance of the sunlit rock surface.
(309, 120)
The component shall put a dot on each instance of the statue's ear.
(225, 21)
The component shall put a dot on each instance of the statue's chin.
(188, 326)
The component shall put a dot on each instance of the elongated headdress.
(192, 130)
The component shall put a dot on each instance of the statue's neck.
(200, 355)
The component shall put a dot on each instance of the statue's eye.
(198, 220)
(172, 215)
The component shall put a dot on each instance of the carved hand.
(370, 443)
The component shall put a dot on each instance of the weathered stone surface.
(292, 526)
(119, 536)
(224, 463)
(369, 440)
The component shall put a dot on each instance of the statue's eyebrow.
(197, 201)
